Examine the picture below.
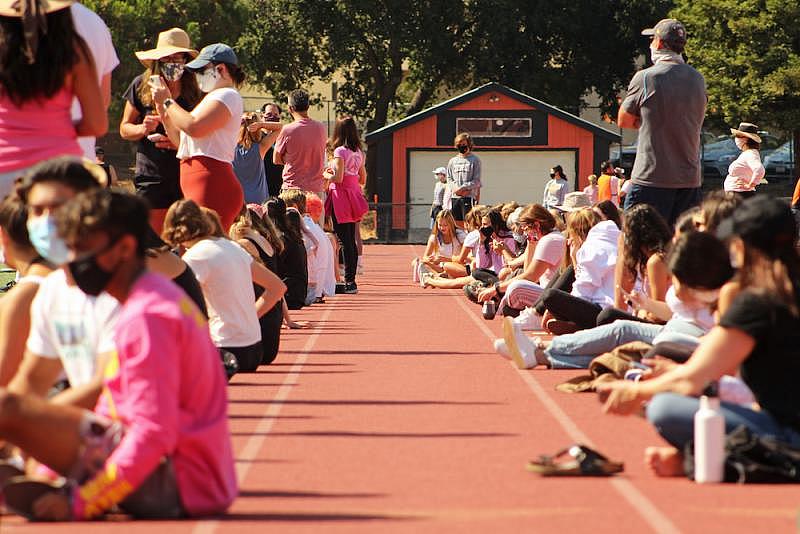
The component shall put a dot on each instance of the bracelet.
(168, 102)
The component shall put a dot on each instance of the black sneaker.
(340, 288)
(351, 288)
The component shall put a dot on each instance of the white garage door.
(507, 175)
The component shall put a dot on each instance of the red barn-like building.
(517, 137)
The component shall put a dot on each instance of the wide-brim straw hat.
(575, 201)
(13, 8)
(169, 42)
(748, 130)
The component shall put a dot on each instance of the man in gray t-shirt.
(667, 103)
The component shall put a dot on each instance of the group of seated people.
(717, 299)
(113, 336)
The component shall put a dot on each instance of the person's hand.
(486, 294)
(498, 246)
(327, 173)
(620, 397)
(255, 127)
(52, 507)
(150, 123)
(165, 143)
(658, 366)
(160, 93)
(637, 300)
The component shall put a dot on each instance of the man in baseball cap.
(666, 103)
(670, 32)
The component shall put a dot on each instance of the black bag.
(751, 459)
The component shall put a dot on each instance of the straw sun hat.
(748, 130)
(13, 8)
(169, 42)
(575, 201)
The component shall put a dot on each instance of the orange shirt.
(796, 195)
(607, 189)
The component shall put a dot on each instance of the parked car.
(780, 162)
(717, 156)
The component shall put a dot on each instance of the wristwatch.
(168, 102)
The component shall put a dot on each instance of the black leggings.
(563, 282)
(249, 357)
(271, 333)
(567, 307)
(346, 232)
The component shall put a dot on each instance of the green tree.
(749, 53)
(135, 25)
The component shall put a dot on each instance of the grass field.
(5, 277)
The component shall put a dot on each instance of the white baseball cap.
(439, 170)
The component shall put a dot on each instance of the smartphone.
(155, 81)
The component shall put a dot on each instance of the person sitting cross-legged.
(157, 444)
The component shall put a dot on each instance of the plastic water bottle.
(709, 440)
(415, 270)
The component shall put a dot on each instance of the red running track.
(393, 414)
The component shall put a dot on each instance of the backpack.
(752, 459)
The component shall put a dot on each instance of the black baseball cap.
(763, 222)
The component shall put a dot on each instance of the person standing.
(94, 31)
(255, 139)
(746, 171)
(40, 73)
(439, 190)
(300, 148)
(608, 184)
(667, 104)
(274, 173)
(463, 178)
(556, 188)
(157, 175)
(206, 136)
(591, 189)
(346, 203)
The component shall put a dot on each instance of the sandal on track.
(21, 492)
(582, 462)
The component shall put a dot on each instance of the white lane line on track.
(256, 441)
(643, 506)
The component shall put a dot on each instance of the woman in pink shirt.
(40, 73)
(345, 201)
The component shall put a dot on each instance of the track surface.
(393, 414)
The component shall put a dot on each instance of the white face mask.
(740, 142)
(664, 54)
(207, 80)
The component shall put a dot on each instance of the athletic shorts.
(460, 206)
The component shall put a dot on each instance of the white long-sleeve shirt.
(594, 265)
(747, 168)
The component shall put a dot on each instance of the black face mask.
(463, 149)
(90, 277)
(487, 231)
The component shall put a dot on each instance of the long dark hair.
(498, 224)
(276, 210)
(646, 233)
(345, 134)
(57, 52)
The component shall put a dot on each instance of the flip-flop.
(582, 462)
(21, 492)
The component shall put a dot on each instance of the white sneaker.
(522, 349)
(501, 348)
(528, 319)
(415, 270)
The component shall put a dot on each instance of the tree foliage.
(749, 53)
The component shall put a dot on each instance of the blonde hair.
(536, 213)
(249, 220)
(447, 217)
(472, 219)
(464, 136)
(592, 179)
(578, 225)
(214, 222)
(295, 198)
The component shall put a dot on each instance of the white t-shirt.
(551, 250)
(748, 168)
(221, 143)
(699, 315)
(321, 263)
(223, 269)
(94, 31)
(68, 324)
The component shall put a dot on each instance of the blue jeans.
(576, 351)
(673, 417)
(670, 203)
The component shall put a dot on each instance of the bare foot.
(664, 461)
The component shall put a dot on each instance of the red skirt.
(213, 184)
